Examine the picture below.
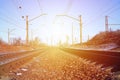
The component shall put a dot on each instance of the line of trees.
(20, 42)
(2, 42)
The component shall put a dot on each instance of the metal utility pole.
(51, 41)
(8, 36)
(27, 25)
(27, 35)
(106, 23)
(88, 38)
(31, 35)
(80, 29)
(72, 35)
(79, 20)
(9, 31)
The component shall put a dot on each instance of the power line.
(69, 6)
(17, 7)
(79, 20)
(107, 24)
(107, 10)
(118, 8)
(111, 8)
(113, 18)
(4, 32)
(15, 4)
(5, 20)
(66, 11)
(27, 26)
(40, 6)
(19, 2)
(37, 17)
(8, 17)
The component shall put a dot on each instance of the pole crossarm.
(114, 24)
(27, 25)
(69, 17)
(11, 30)
(37, 17)
(107, 24)
(79, 20)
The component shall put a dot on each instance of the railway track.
(53, 64)
(12, 61)
(107, 58)
(13, 55)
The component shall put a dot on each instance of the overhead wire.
(16, 7)
(7, 21)
(113, 18)
(112, 11)
(41, 10)
(8, 17)
(69, 5)
(11, 20)
(40, 14)
(99, 16)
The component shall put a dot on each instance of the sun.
(57, 35)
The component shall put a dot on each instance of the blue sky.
(49, 26)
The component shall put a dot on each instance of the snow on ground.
(103, 47)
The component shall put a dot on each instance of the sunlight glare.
(57, 34)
